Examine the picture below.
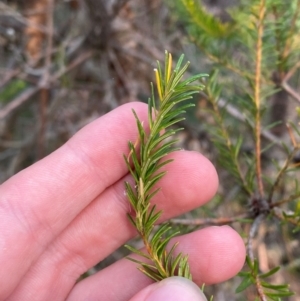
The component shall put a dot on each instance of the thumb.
(171, 289)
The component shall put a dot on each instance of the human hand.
(67, 212)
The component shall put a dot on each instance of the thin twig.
(133, 53)
(290, 91)
(210, 221)
(281, 173)
(223, 62)
(292, 136)
(279, 215)
(119, 70)
(260, 289)
(78, 61)
(284, 201)
(228, 142)
(291, 72)
(222, 103)
(18, 101)
(45, 80)
(252, 234)
(257, 99)
(29, 92)
(9, 76)
(24, 146)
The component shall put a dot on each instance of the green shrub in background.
(251, 95)
(11, 90)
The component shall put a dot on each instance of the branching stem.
(144, 163)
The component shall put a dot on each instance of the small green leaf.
(278, 287)
(151, 274)
(255, 267)
(270, 273)
(280, 294)
(246, 282)
(249, 262)
(138, 252)
(238, 147)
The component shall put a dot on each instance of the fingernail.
(175, 289)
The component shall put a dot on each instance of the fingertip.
(209, 172)
(222, 254)
(191, 181)
(171, 289)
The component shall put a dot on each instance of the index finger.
(40, 201)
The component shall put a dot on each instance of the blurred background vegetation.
(64, 63)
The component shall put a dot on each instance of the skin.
(67, 212)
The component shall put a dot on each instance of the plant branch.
(31, 91)
(281, 217)
(260, 289)
(252, 233)
(257, 96)
(222, 62)
(290, 91)
(210, 221)
(284, 201)
(145, 159)
(234, 112)
(291, 72)
(281, 173)
(9, 76)
(229, 145)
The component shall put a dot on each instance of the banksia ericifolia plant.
(144, 162)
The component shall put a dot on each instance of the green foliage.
(254, 59)
(219, 41)
(229, 150)
(145, 160)
(274, 292)
(205, 22)
(11, 90)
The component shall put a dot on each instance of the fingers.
(215, 255)
(40, 201)
(171, 289)
(103, 226)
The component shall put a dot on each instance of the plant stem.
(281, 173)
(260, 289)
(145, 163)
(210, 221)
(227, 138)
(257, 98)
(284, 201)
